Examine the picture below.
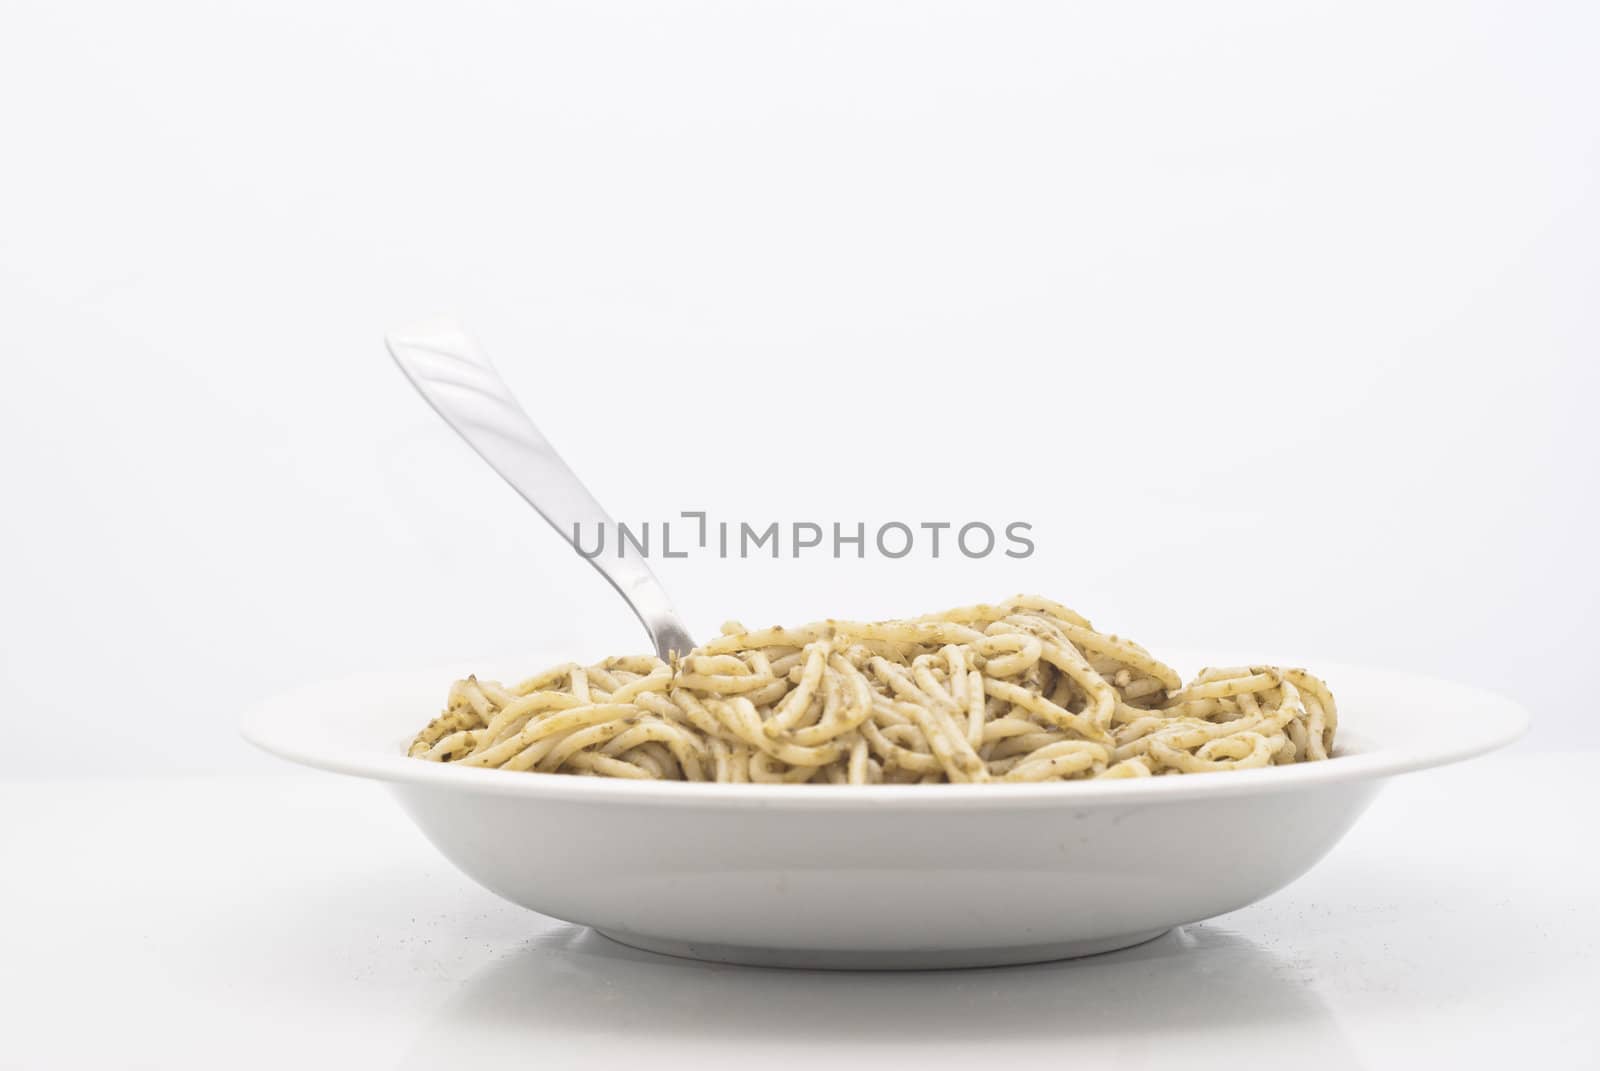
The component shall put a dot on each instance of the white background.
(1276, 321)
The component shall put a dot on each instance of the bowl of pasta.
(1000, 783)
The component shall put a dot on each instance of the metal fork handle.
(454, 375)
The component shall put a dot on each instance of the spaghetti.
(1022, 690)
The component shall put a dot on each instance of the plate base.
(886, 959)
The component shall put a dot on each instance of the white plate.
(885, 876)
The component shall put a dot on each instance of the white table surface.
(302, 921)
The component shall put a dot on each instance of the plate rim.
(1370, 760)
